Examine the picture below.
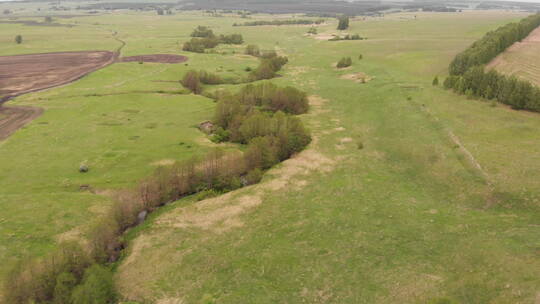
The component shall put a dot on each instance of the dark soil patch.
(14, 117)
(159, 58)
(21, 74)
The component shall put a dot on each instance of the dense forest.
(468, 76)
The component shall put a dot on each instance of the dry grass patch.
(357, 77)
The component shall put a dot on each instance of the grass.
(406, 219)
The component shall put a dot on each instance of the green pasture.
(408, 218)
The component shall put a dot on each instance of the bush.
(231, 39)
(192, 82)
(344, 62)
(97, 287)
(343, 23)
(252, 50)
(254, 176)
(435, 81)
(202, 32)
(18, 39)
(65, 282)
(209, 78)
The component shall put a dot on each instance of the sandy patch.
(357, 77)
(164, 162)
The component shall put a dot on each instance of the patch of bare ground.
(28, 73)
(157, 58)
(357, 77)
(14, 117)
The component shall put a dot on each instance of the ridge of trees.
(469, 77)
(492, 44)
(280, 22)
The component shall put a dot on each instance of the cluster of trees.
(344, 62)
(270, 64)
(468, 76)
(491, 85)
(347, 37)
(492, 44)
(70, 275)
(343, 23)
(262, 116)
(204, 38)
(162, 12)
(280, 22)
(193, 80)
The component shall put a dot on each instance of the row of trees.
(347, 37)
(468, 75)
(492, 44)
(491, 85)
(280, 22)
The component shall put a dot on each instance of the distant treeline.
(468, 76)
(492, 44)
(280, 22)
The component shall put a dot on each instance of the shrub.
(344, 62)
(18, 39)
(312, 31)
(343, 23)
(435, 81)
(252, 50)
(96, 288)
(231, 39)
(254, 176)
(192, 82)
(65, 282)
(209, 78)
(202, 32)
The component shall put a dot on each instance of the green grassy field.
(442, 201)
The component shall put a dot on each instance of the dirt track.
(14, 117)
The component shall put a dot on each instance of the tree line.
(280, 22)
(492, 44)
(204, 38)
(468, 75)
(492, 85)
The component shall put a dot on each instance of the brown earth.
(159, 58)
(12, 118)
(21, 74)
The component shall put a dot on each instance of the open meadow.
(408, 193)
